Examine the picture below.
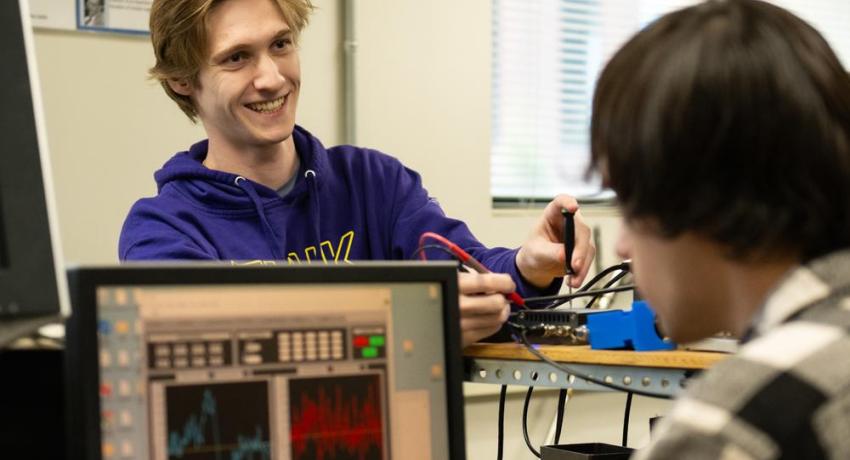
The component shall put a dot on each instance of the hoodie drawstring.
(258, 204)
(310, 177)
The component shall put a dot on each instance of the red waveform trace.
(336, 418)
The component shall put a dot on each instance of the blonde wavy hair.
(179, 39)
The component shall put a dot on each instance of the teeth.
(270, 106)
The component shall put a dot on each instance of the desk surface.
(674, 359)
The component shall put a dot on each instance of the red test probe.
(466, 259)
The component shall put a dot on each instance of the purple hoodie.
(348, 204)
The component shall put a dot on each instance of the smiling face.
(247, 87)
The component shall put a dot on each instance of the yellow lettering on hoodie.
(325, 249)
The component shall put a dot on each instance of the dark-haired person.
(724, 129)
(262, 188)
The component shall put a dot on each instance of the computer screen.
(32, 279)
(288, 363)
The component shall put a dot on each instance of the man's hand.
(541, 257)
(483, 307)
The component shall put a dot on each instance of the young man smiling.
(262, 188)
(724, 128)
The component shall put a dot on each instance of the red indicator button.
(361, 341)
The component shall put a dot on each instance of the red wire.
(465, 258)
(462, 255)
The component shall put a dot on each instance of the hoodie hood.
(223, 191)
(220, 192)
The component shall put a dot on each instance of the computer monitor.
(326, 362)
(32, 277)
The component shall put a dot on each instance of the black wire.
(533, 301)
(502, 394)
(525, 423)
(565, 369)
(562, 402)
(556, 300)
(626, 419)
(563, 298)
(625, 266)
(607, 285)
(546, 306)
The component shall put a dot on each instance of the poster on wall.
(53, 14)
(122, 16)
(126, 16)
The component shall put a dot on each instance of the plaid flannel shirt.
(786, 393)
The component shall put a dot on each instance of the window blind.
(547, 55)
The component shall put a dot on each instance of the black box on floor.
(587, 451)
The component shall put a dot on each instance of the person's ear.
(180, 86)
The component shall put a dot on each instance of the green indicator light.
(377, 340)
(370, 352)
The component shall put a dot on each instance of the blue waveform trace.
(193, 434)
(247, 447)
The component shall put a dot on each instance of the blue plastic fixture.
(619, 329)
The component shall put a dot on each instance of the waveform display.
(228, 421)
(337, 418)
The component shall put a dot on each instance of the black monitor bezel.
(82, 366)
(32, 276)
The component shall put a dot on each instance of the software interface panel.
(327, 372)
